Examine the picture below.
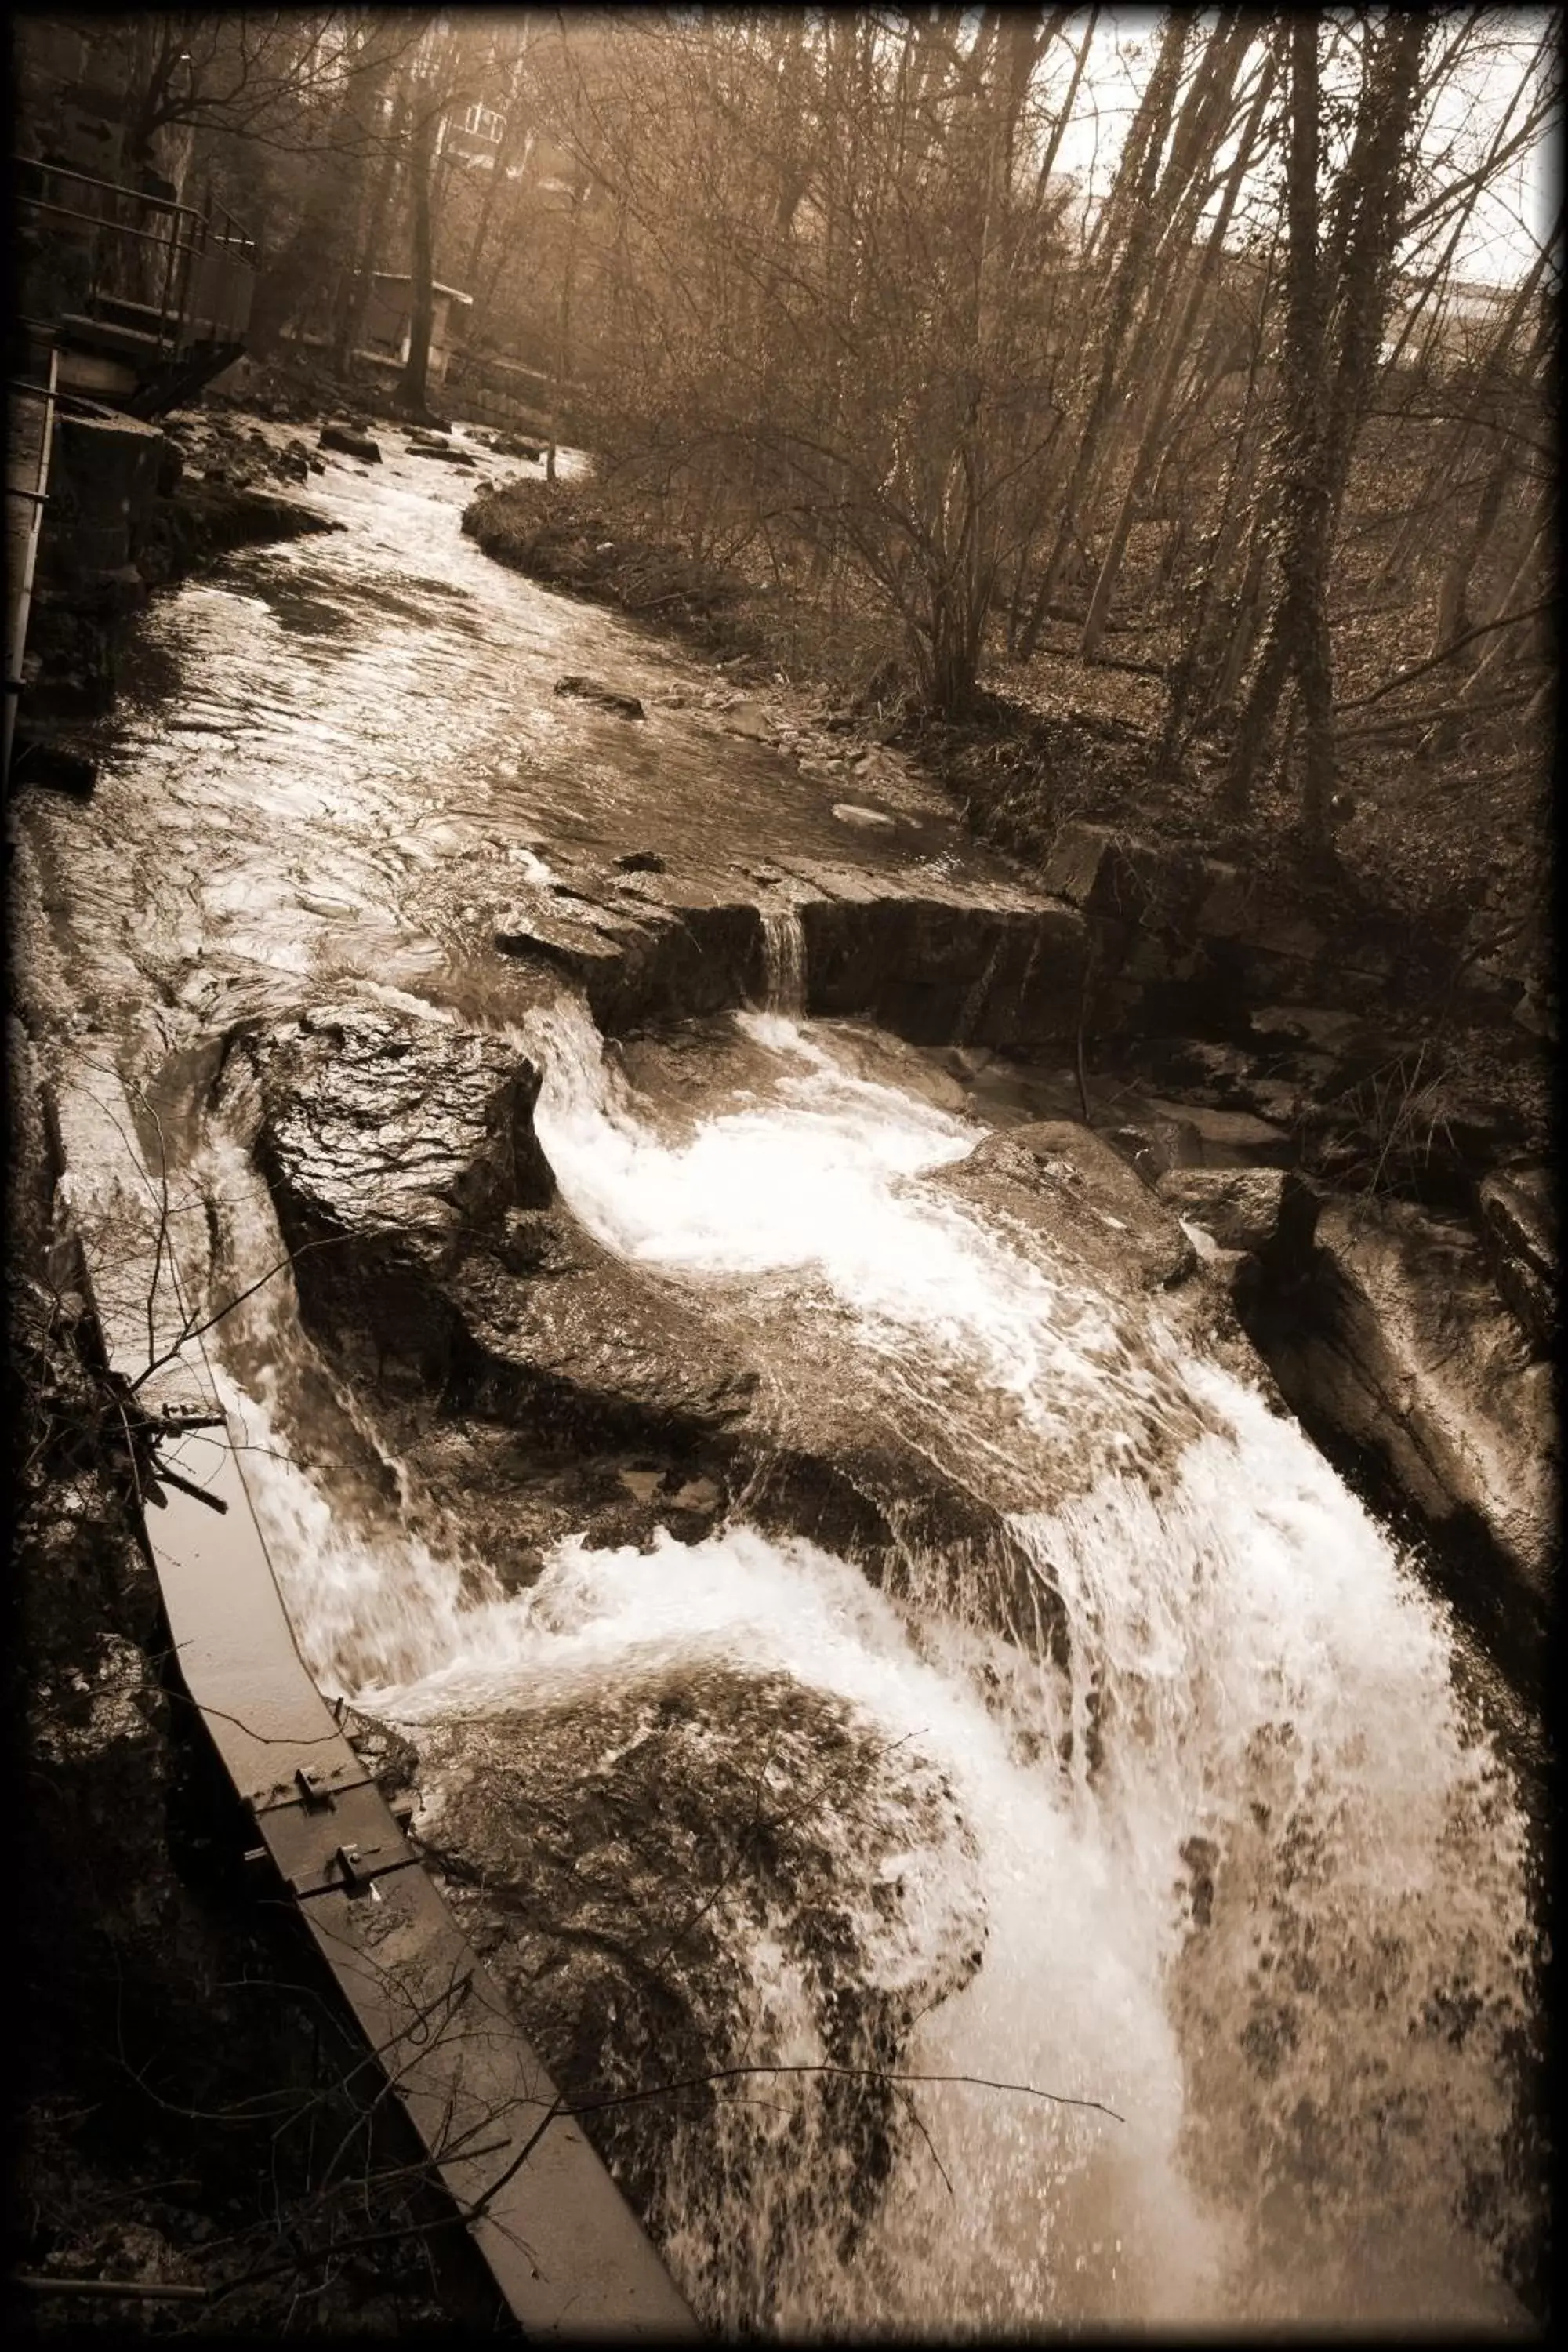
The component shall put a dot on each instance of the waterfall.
(783, 960)
(1250, 1878)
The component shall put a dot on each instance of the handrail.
(189, 285)
(111, 187)
(142, 198)
(96, 220)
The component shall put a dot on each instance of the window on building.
(483, 122)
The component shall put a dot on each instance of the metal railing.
(123, 259)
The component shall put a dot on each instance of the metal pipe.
(168, 281)
(16, 649)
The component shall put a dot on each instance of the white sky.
(1510, 221)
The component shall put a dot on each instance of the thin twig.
(131, 2290)
(852, 2074)
(1482, 629)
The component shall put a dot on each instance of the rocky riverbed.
(760, 1263)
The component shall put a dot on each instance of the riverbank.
(1350, 1028)
(1451, 883)
(287, 850)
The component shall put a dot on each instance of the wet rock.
(1102, 1213)
(428, 1245)
(585, 1326)
(627, 1857)
(389, 1143)
(382, 1121)
(640, 861)
(1240, 1207)
(1231, 1137)
(942, 969)
(686, 952)
(1519, 1227)
(608, 697)
(348, 442)
(1155, 1145)
(1398, 1343)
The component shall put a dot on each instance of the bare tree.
(1336, 306)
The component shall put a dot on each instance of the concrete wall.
(103, 489)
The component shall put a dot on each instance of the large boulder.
(1239, 1207)
(1519, 1226)
(1227, 1139)
(1100, 1213)
(1398, 1343)
(348, 442)
(652, 948)
(945, 966)
(675, 1872)
(428, 1244)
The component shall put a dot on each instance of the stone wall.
(105, 475)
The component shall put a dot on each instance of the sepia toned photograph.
(782, 1237)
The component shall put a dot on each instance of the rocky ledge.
(565, 1388)
(926, 956)
(559, 1387)
(1390, 1334)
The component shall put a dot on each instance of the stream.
(1147, 1937)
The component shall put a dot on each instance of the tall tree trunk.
(1190, 674)
(413, 383)
(353, 313)
(1370, 201)
(1348, 286)
(1053, 145)
(1452, 618)
(1298, 632)
(1126, 282)
(1165, 391)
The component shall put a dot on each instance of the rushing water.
(1231, 1870)
(1273, 1913)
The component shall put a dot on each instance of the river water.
(1205, 1935)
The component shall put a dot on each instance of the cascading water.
(784, 960)
(1231, 1868)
